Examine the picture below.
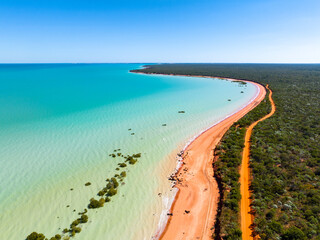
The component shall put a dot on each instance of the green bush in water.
(132, 161)
(123, 174)
(56, 237)
(114, 182)
(95, 203)
(75, 223)
(112, 192)
(102, 192)
(83, 218)
(138, 155)
(76, 229)
(36, 236)
(122, 165)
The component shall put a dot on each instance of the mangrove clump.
(95, 203)
(36, 236)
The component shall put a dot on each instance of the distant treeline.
(285, 151)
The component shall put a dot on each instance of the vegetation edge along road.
(245, 209)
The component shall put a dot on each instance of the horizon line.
(158, 63)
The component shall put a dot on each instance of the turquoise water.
(59, 122)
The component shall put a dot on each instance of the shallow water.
(59, 122)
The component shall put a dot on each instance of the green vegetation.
(83, 218)
(96, 203)
(56, 237)
(122, 165)
(285, 155)
(228, 154)
(36, 236)
(105, 193)
(123, 174)
(138, 155)
(112, 192)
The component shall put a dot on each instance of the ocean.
(60, 122)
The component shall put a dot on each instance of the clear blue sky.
(160, 31)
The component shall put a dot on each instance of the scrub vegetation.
(105, 195)
(285, 155)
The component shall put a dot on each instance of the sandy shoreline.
(196, 201)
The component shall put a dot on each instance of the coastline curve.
(196, 199)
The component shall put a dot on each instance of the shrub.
(101, 193)
(76, 229)
(36, 236)
(138, 155)
(112, 192)
(293, 233)
(114, 182)
(95, 203)
(83, 218)
(58, 236)
(75, 223)
(122, 165)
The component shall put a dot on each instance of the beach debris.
(164, 124)
(87, 184)
(180, 153)
(170, 214)
(159, 194)
(132, 133)
(129, 129)
(181, 111)
(186, 211)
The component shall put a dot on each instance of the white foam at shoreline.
(164, 217)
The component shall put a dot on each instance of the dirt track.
(246, 217)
